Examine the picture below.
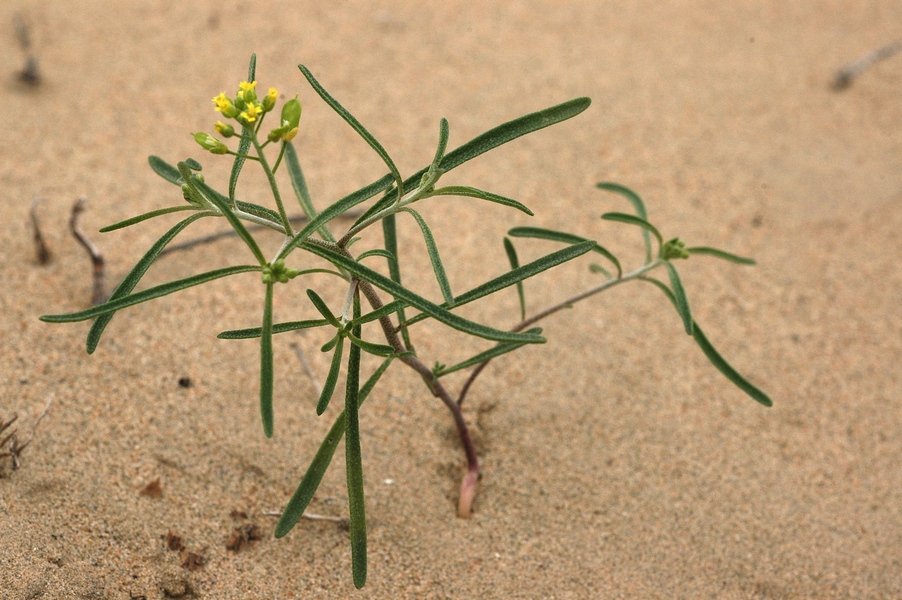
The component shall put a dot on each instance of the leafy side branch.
(391, 304)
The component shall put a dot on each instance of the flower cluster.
(248, 109)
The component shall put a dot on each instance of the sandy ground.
(617, 462)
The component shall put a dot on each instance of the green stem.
(279, 160)
(275, 187)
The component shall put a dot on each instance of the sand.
(617, 462)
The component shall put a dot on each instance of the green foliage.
(316, 240)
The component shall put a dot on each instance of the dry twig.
(41, 248)
(15, 447)
(30, 74)
(99, 292)
(844, 76)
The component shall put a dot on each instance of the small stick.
(30, 74)
(16, 448)
(43, 251)
(307, 515)
(844, 76)
(307, 369)
(99, 294)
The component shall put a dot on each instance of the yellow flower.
(223, 104)
(247, 91)
(224, 129)
(251, 111)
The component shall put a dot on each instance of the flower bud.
(210, 143)
(269, 100)
(224, 129)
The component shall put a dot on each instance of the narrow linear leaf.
(376, 252)
(330, 344)
(165, 170)
(567, 238)
(266, 364)
(255, 332)
(332, 377)
(244, 145)
(634, 220)
(126, 286)
(375, 349)
(515, 263)
(255, 209)
(511, 130)
(714, 356)
(299, 183)
(708, 251)
(354, 462)
(597, 268)
(679, 295)
(499, 283)
(432, 250)
(471, 192)
(443, 132)
(320, 463)
(226, 210)
(323, 309)
(482, 357)
(493, 138)
(433, 310)
(148, 215)
(390, 239)
(112, 306)
(332, 211)
(638, 206)
(355, 125)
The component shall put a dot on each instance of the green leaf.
(679, 295)
(482, 357)
(638, 205)
(148, 215)
(471, 192)
(634, 220)
(314, 474)
(332, 211)
(299, 183)
(244, 145)
(432, 250)
(511, 130)
(433, 310)
(597, 268)
(211, 195)
(332, 377)
(323, 309)
(375, 349)
(567, 238)
(165, 170)
(493, 138)
(390, 237)
(354, 463)
(714, 356)
(443, 131)
(515, 263)
(708, 251)
(255, 332)
(254, 209)
(112, 306)
(266, 365)
(499, 283)
(131, 280)
(376, 252)
(355, 125)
